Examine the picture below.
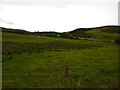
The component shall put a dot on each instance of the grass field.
(38, 62)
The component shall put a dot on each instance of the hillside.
(41, 62)
(79, 32)
(111, 29)
(10, 30)
(105, 32)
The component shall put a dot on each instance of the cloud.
(57, 0)
(1, 8)
(4, 21)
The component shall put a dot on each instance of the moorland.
(82, 58)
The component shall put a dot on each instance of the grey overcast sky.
(57, 15)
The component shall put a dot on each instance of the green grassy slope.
(37, 62)
(10, 37)
(98, 33)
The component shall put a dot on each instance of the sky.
(57, 15)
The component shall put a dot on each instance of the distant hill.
(111, 29)
(106, 32)
(47, 34)
(18, 31)
(79, 31)
(91, 32)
